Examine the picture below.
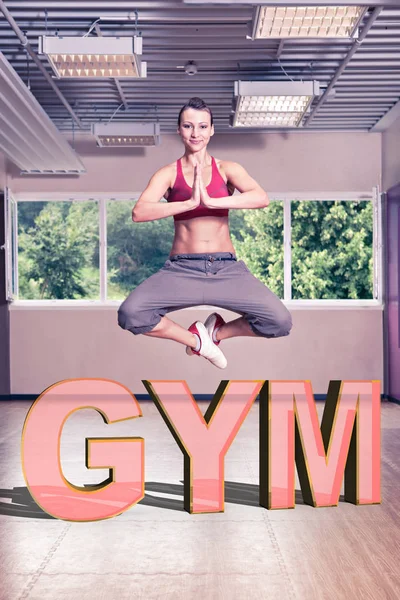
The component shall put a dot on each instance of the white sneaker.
(212, 322)
(208, 349)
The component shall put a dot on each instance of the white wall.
(287, 162)
(49, 345)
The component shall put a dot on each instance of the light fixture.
(28, 137)
(231, 3)
(126, 134)
(94, 56)
(272, 103)
(306, 21)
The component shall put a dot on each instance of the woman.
(202, 266)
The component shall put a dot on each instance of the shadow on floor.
(23, 505)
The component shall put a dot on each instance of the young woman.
(202, 266)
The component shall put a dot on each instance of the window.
(134, 250)
(87, 249)
(58, 250)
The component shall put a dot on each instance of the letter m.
(347, 443)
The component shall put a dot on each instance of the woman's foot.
(206, 347)
(212, 324)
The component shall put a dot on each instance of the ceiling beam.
(356, 44)
(25, 43)
(181, 15)
(380, 3)
(388, 119)
(116, 81)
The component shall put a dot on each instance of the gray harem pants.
(216, 279)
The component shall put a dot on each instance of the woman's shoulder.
(169, 171)
(226, 165)
(169, 167)
(225, 168)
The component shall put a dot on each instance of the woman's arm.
(252, 194)
(149, 206)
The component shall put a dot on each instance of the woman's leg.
(235, 288)
(170, 330)
(170, 289)
(173, 287)
(235, 328)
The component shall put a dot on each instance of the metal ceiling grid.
(360, 80)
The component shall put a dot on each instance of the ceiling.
(363, 78)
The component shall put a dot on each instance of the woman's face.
(195, 128)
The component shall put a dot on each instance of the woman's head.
(195, 124)
(196, 104)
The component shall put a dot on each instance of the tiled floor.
(157, 550)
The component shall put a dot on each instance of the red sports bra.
(182, 191)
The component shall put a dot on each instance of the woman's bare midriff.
(202, 235)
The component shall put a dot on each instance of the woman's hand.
(195, 199)
(204, 197)
(199, 191)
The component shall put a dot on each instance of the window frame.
(10, 230)
(102, 197)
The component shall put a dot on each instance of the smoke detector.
(191, 68)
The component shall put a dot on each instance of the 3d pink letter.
(348, 443)
(204, 441)
(123, 456)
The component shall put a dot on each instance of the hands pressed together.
(199, 191)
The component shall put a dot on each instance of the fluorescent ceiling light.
(306, 21)
(127, 134)
(94, 56)
(272, 103)
(28, 137)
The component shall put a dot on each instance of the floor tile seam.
(281, 561)
(248, 465)
(275, 544)
(26, 592)
(251, 475)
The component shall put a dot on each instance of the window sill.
(114, 304)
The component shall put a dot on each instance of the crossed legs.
(170, 330)
(234, 288)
